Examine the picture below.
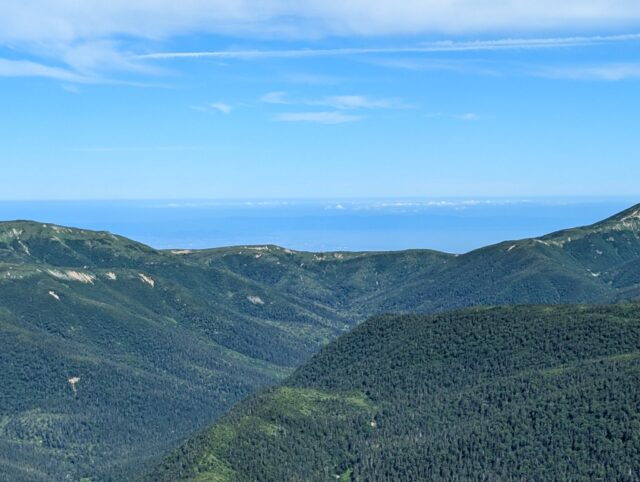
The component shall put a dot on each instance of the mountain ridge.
(216, 325)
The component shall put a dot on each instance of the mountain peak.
(30, 241)
(627, 220)
(628, 215)
(35, 228)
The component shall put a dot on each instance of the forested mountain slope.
(160, 348)
(589, 264)
(514, 393)
(164, 342)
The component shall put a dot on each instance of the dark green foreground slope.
(522, 393)
(164, 342)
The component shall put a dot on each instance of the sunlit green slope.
(520, 393)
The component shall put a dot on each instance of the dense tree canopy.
(523, 393)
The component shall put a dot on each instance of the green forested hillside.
(589, 264)
(520, 393)
(164, 342)
(160, 346)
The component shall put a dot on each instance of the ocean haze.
(451, 225)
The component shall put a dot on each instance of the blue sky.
(310, 99)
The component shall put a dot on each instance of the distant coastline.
(451, 225)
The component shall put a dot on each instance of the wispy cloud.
(602, 72)
(461, 65)
(69, 77)
(339, 102)
(275, 98)
(56, 21)
(78, 62)
(433, 47)
(467, 116)
(429, 204)
(95, 60)
(25, 68)
(96, 56)
(75, 40)
(71, 88)
(316, 117)
(221, 107)
(347, 102)
(610, 71)
(311, 79)
(340, 105)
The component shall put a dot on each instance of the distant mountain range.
(112, 353)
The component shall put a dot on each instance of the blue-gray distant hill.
(112, 353)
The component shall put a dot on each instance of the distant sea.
(452, 225)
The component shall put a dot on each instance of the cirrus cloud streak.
(327, 117)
